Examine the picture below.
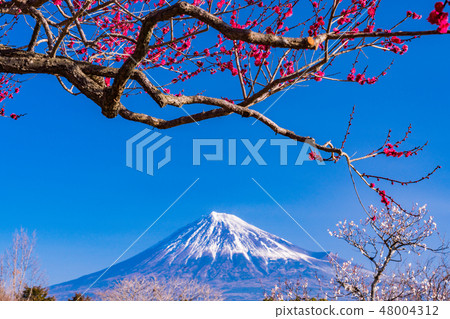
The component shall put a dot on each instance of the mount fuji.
(221, 250)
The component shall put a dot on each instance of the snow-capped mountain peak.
(220, 249)
(221, 235)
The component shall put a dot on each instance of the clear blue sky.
(64, 175)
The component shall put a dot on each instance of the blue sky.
(64, 174)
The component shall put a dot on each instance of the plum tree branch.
(120, 42)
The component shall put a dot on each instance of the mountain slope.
(221, 250)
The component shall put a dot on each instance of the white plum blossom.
(385, 239)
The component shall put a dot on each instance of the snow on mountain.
(221, 250)
(224, 235)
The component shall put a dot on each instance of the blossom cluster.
(179, 48)
(383, 238)
(184, 48)
(7, 90)
(439, 17)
